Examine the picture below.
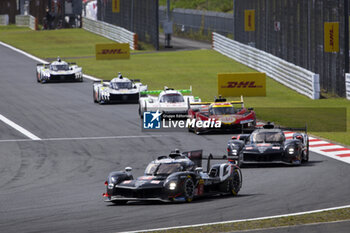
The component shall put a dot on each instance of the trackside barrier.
(297, 78)
(27, 21)
(347, 86)
(4, 20)
(118, 34)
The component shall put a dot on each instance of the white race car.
(168, 101)
(117, 90)
(58, 71)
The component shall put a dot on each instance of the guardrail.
(347, 86)
(4, 20)
(297, 78)
(27, 21)
(110, 31)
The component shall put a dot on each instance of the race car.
(117, 90)
(231, 118)
(269, 145)
(178, 177)
(58, 71)
(169, 102)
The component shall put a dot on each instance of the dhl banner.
(249, 20)
(115, 6)
(246, 84)
(112, 51)
(331, 37)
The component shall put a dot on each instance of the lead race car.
(178, 177)
(117, 90)
(269, 145)
(169, 102)
(232, 118)
(59, 71)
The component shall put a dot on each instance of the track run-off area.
(57, 148)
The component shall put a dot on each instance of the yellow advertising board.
(249, 20)
(115, 6)
(112, 51)
(246, 84)
(331, 37)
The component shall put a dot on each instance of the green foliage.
(209, 5)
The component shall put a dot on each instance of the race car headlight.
(291, 150)
(234, 152)
(172, 185)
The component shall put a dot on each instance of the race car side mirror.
(71, 68)
(134, 86)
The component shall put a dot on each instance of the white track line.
(241, 220)
(41, 60)
(19, 128)
(85, 138)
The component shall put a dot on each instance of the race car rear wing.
(197, 157)
(220, 100)
(157, 92)
(270, 125)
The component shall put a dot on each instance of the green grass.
(197, 68)
(210, 5)
(326, 216)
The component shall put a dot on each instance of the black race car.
(177, 177)
(269, 145)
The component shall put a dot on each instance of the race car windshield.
(59, 67)
(162, 169)
(121, 85)
(171, 98)
(166, 169)
(267, 137)
(222, 110)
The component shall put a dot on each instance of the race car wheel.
(94, 96)
(235, 183)
(196, 130)
(37, 77)
(188, 191)
(306, 154)
(120, 202)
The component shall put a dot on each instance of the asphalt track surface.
(56, 184)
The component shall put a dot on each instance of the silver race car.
(59, 71)
(117, 90)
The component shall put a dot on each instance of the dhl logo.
(113, 51)
(242, 84)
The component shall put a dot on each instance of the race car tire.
(119, 202)
(235, 183)
(196, 130)
(37, 77)
(94, 95)
(306, 155)
(188, 189)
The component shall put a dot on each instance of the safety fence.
(205, 22)
(115, 33)
(347, 85)
(302, 32)
(297, 78)
(4, 20)
(27, 21)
